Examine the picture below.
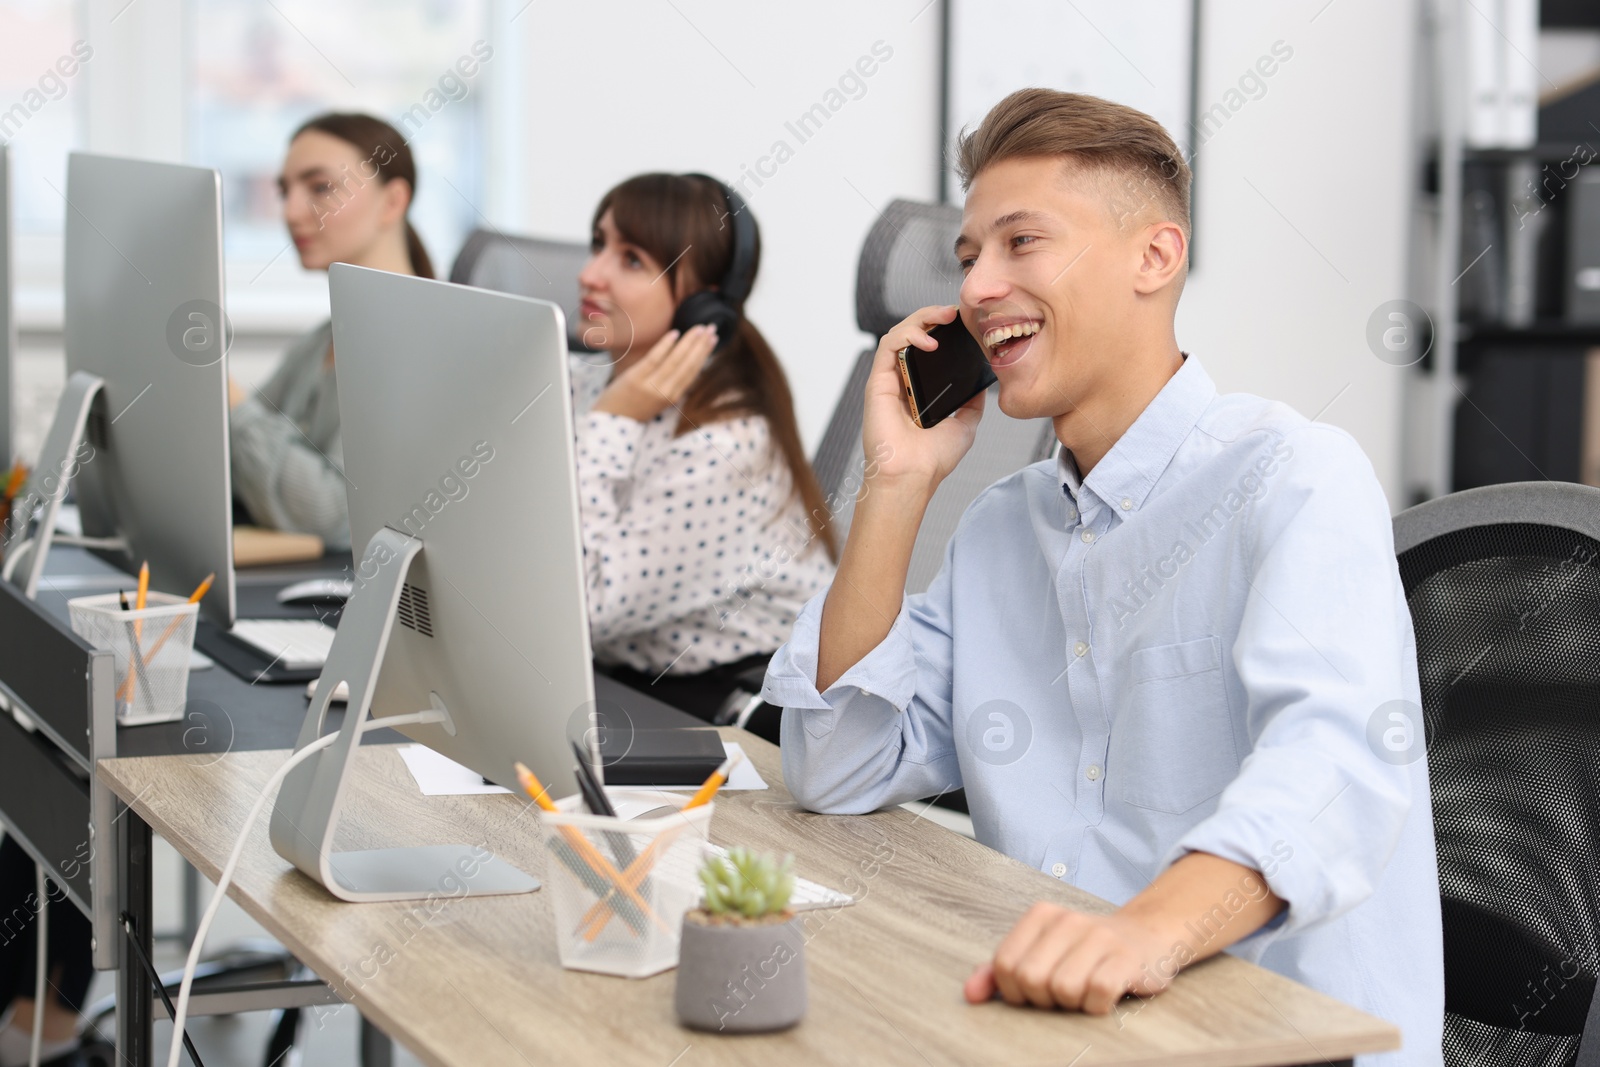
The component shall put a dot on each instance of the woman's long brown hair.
(681, 220)
(381, 145)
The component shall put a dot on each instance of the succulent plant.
(750, 884)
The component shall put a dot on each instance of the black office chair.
(1504, 588)
(526, 266)
(906, 263)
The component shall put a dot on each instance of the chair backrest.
(906, 263)
(526, 266)
(1503, 583)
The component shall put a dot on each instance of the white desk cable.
(181, 1016)
(41, 966)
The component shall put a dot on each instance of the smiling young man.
(1154, 662)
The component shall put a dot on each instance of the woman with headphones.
(704, 529)
(347, 184)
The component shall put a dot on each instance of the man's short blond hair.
(1128, 153)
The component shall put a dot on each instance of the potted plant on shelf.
(741, 958)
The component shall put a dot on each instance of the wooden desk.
(477, 981)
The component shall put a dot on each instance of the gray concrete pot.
(740, 978)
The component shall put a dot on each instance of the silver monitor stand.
(458, 444)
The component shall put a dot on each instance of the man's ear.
(1162, 259)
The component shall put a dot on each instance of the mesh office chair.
(526, 266)
(906, 263)
(1503, 583)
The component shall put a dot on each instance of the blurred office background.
(1340, 167)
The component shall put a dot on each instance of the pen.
(594, 794)
(581, 845)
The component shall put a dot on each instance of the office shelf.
(1540, 334)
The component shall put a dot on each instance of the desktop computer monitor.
(144, 313)
(469, 591)
(453, 406)
(8, 322)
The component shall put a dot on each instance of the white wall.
(1302, 194)
(619, 87)
(1303, 200)
(1326, 145)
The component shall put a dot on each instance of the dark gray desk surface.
(225, 712)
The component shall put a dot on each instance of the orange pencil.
(709, 787)
(138, 627)
(541, 796)
(194, 598)
(597, 916)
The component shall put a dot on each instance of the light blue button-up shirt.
(1200, 646)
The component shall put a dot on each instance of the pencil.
(597, 915)
(194, 598)
(582, 846)
(135, 660)
(709, 788)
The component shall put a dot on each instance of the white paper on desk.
(441, 776)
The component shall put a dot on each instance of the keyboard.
(683, 865)
(292, 643)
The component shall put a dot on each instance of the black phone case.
(939, 382)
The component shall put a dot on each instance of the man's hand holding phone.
(907, 464)
(906, 455)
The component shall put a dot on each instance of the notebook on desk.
(643, 742)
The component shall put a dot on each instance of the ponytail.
(421, 265)
(745, 378)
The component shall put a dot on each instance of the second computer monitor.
(457, 430)
(8, 322)
(144, 312)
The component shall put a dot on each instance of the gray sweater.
(288, 458)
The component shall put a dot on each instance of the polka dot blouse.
(694, 553)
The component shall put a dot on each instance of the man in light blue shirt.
(1174, 667)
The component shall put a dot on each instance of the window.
(41, 66)
(259, 68)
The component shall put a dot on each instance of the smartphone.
(939, 382)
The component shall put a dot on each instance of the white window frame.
(131, 99)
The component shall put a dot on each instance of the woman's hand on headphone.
(661, 378)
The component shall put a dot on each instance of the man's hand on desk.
(1057, 957)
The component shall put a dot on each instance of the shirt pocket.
(1172, 745)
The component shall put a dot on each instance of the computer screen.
(145, 313)
(457, 431)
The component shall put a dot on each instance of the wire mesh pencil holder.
(620, 887)
(150, 648)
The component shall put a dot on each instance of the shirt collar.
(1125, 475)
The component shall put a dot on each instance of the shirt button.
(1059, 870)
(1127, 503)
(1087, 535)
(1093, 773)
(1080, 648)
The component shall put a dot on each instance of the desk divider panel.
(57, 682)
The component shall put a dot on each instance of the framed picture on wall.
(1144, 54)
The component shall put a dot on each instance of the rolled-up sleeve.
(1317, 805)
(880, 735)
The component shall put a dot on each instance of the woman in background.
(704, 529)
(347, 185)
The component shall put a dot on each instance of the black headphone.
(723, 306)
